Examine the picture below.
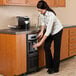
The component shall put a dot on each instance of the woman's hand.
(37, 45)
(40, 35)
(40, 43)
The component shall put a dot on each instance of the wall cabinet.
(13, 2)
(51, 3)
(60, 3)
(2, 2)
(32, 2)
(16, 2)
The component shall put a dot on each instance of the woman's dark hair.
(43, 5)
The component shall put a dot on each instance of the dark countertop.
(21, 31)
(18, 31)
(69, 26)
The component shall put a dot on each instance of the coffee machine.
(23, 22)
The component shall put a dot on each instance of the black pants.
(53, 63)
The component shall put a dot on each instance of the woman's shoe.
(50, 71)
(56, 71)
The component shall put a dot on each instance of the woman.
(53, 32)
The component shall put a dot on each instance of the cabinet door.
(64, 44)
(60, 3)
(21, 62)
(32, 2)
(51, 3)
(1, 2)
(41, 56)
(72, 45)
(7, 54)
(16, 2)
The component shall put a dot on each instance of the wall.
(67, 15)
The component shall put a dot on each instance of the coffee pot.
(23, 22)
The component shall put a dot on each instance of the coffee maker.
(23, 22)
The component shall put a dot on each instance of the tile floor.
(67, 68)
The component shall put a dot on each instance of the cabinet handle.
(73, 45)
(74, 52)
(73, 39)
(73, 32)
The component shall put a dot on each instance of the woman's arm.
(41, 32)
(41, 42)
(42, 28)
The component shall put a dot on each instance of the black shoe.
(50, 71)
(56, 71)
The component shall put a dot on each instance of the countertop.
(22, 31)
(69, 26)
(18, 31)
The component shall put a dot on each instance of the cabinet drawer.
(73, 46)
(73, 32)
(72, 52)
(73, 36)
(72, 40)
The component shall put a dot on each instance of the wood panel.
(72, 52)
(16, 2)
(7, 47)
(32, 2)
(51, 3)
(72, 45)
(12, 54)
(41, 56)
(21, 54)
(60, 3)
(64, 44)
(1, 2)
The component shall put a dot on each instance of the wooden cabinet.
(2, 2)
(72, 41)
(64, 44)
(56, 3)
(60, 3)
(32, 2)
(64, 52)
(12, 54)
(51, 3)
(16, 2)
(41, 56)
(13, 2)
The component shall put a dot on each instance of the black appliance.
(32, 53)
(23, 22)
